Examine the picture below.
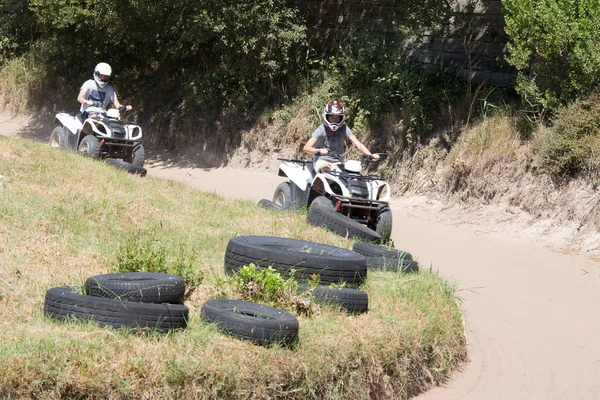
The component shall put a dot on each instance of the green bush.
(372, 76)
(144, 252)
(572, 146)
(554, 45)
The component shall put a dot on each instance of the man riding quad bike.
(332, 182)
(97, 130)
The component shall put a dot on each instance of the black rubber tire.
(269, 205)
(384, 223)
(89, 146)
(322, 201)
(63, 303)
(332, 264)
(373, 250)
(58, 138)
(141, 287)
(283, 195)
(340, 224)
(139, 156)
(354, 301)
(392, 264)
(251, 321)
(129, 167)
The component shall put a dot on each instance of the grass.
(63, 218)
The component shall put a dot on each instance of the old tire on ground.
(58, 138)
(373, 250)
(269, 205)
(352, 300)
(283, 195)
(332, 264)
(340, 224)
(322, 201)
(250, 321)
(63, 303)
(132, 169)
(392, 264)
(89, 146)
(384, 223)
(142, 287)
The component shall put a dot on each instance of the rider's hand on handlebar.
(323, 151)
(375, 157)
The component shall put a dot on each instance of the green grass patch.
(64, 217)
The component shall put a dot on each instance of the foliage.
(144, 252)
(372, 76)
(267, 285)
(18, 29)
(554, 45)
(214, 54)
(571, 147)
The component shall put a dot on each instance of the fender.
(69, 121)
(322, 180)
(295, 173)
(93, 123)
(134, 132)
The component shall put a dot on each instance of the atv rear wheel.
(283, 195)
(58, 138)
(90, 146)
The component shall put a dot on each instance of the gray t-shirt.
(95, 93)
(332, 141)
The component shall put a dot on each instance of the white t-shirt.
(97, 94)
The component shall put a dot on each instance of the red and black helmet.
(333, 109)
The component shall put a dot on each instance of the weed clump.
(144, 252)
(570, 148)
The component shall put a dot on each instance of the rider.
(330, 138)
(96, 94)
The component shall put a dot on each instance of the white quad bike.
(102, 136)
(363, 198)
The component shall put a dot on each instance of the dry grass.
(62, 218)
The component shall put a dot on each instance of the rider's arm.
(81, 98)
(118, 104)
(363, 149)
(309, 147)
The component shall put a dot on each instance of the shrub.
(554, 46)
(144, 252)
(571, 147)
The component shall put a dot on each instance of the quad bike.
(102, 136)
(344, 189)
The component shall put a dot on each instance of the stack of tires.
(263, 324)
(130, 300)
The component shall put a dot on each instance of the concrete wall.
(475, 50)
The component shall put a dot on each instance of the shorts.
(324, 160)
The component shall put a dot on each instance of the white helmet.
(102, 69)
(333, 108)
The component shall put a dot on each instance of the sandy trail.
(531, 312)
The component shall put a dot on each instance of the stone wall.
(475, 50)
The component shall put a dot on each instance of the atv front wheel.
(58, 138)
(283, 195)
(139, 156)
(89, 146)
(384, 223)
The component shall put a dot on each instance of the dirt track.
(532, 315)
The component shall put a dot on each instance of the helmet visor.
(334, 118)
